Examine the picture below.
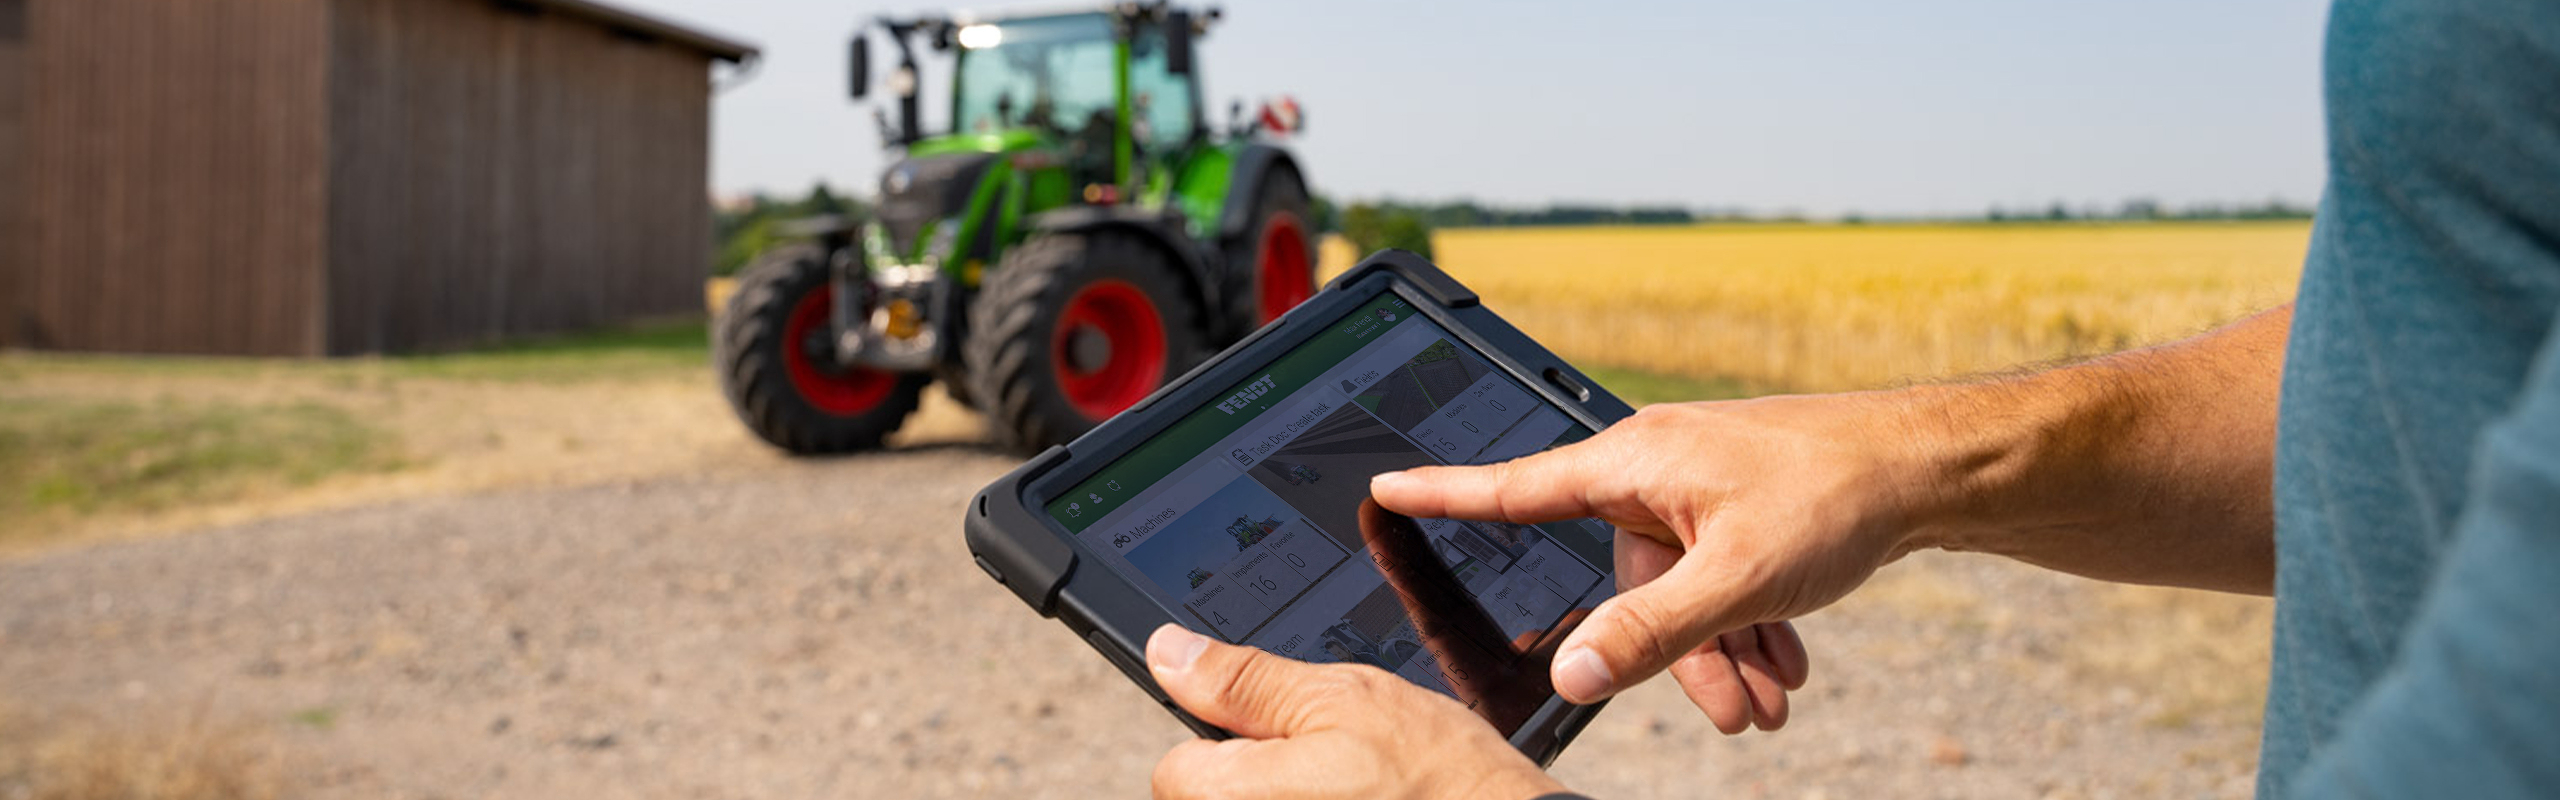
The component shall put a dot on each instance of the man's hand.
(2150, 466)
(1732, 518)
(1324, 731)
(1740, 679)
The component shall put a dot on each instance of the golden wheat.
(1818, 308)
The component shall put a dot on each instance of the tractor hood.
(1013, 140)
(920, 190)
(937, 181)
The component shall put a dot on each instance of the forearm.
(2151, 466)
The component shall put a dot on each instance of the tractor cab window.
(1052, 74)
(1161, 100)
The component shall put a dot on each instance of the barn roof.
(643, 25)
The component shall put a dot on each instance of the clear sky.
(1818, 106)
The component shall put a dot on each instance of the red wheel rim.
(1109, 349)
(1283, 273)
(842, 391)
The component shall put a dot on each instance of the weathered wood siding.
(498, 172)
(13, 181)
(173, 169)
(307, 177)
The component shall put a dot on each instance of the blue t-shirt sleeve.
(2471, 706)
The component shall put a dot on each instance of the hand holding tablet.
(1312, 730)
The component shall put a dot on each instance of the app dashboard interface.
(1250, 518)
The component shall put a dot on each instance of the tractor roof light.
(981, 37)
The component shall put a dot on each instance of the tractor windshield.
(1049, 73)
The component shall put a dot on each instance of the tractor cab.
(1078, 236)
(1099, 103)
(1056, 79)
(1071, 78)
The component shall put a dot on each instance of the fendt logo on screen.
(1245, 396)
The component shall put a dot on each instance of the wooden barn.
(327, 177)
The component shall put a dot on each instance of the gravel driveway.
(815, 629)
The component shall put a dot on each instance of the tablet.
(1234, 502)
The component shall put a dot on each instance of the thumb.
(1250, 692)
(1639, 633)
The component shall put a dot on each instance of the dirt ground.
(641, 602)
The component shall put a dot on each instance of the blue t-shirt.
(2417, 649)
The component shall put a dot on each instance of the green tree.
(1371, 228)
(751, 228)
(753, 236)
(1328, 216)
(821, 201)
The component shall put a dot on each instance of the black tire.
(757, 350)
(1014, 354)
(1282, 193)
(955, 385)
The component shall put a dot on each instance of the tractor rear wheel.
(1273, 265)
(955, 385)
(1074, 327)
(775, 348)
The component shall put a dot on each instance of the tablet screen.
(1249, 519)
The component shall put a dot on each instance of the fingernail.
(1172, 648)
(1386, 479)
(1580, 675)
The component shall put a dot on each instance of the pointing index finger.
(1544, 487)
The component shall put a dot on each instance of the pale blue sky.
(1878, 106)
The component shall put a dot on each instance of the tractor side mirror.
(1177, 42)
(860, 67)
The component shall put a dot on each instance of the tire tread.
(746, 357)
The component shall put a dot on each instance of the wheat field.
(1833, 307)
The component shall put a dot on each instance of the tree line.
(750, 226)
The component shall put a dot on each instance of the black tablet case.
(1017, 546)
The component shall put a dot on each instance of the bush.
(739, 247)
(1371, 228)
(752, 227)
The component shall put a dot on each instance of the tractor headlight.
(980, 37)
(875, 243)
(945, 234)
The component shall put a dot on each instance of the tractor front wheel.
(1274, 262)
(1074, 327)
(776, 348)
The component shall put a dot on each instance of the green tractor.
(1078, 238)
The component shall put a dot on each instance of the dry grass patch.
(111, 446)
(87, 761)
(160, 444)
(63, 459)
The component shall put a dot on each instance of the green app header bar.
(1234, 409)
